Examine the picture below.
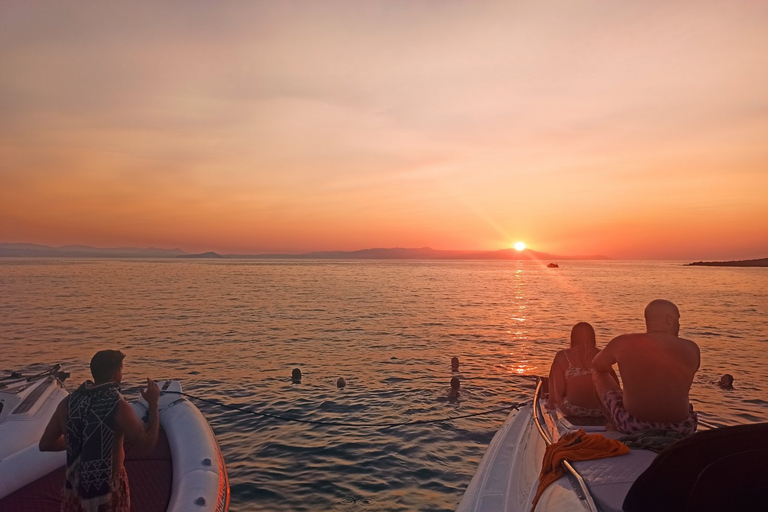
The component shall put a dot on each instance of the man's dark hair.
(105, 363)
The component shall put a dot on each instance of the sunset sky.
(633, 130)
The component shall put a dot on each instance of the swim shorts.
(119, 498)
(626, 423)
(581, 412)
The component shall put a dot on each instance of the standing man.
(91, 424)
(657, 368)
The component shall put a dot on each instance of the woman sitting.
(570, 379)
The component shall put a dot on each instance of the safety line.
(340, 424)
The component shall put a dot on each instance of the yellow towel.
(574, 446)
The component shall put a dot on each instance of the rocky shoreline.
(762, 262)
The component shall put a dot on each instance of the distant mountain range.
(424, 253)
(84, 251)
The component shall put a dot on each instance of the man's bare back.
(657, 372)
(657, 367)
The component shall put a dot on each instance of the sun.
(519, 246)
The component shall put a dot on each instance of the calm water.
(234, 330)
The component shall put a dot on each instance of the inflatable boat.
(715, 469)
(185, 472)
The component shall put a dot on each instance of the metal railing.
(579, 485)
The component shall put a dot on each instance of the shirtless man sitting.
(657, 369)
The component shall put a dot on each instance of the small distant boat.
(718, 469)
(553, 265)
(185, 471)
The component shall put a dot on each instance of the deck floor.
(150, 479)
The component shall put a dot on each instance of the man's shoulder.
(692, 348)
(125, 413)
(124, 408)
(623, 339)
(625, 345)
(122, 402)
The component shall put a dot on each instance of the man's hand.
(144, 438)
(151, 394)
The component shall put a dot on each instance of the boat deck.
(508, 475)
(149, 477)
(608, 480)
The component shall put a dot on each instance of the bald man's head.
(662, 316)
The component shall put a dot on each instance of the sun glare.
(519, 246)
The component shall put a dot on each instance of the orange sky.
(630, 130)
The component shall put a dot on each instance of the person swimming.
(455, 364)
(453, 393)
(726, 381)
(455, 387)
(296, 376)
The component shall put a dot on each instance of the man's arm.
(144, 439)
(606, 358)
(53, 436)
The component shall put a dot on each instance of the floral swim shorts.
(582, 412)
(119, 497)
(626, 423)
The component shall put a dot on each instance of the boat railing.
(579, 485)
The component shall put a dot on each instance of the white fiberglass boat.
(27, 402)
(185, 472)
(716, 469)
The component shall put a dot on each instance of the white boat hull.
(200, 481)
(26, 409)
(508, 475)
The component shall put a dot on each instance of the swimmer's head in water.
(455, 363)
(296, 375)
(455, 384)
(726, 381)
(340, 383)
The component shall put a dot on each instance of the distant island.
(763, 262)
(397, 253)
(203, 255)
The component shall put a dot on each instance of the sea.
(232, 331)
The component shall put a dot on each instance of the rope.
(340, 424)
